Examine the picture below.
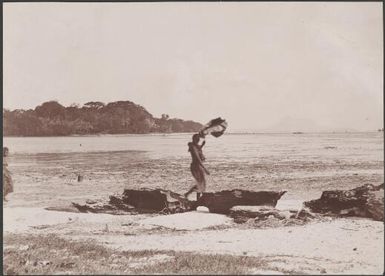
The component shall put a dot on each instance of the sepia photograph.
(193, 138)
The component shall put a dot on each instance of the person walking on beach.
(7, 179)
(197, 168)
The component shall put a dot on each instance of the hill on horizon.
(120, 117)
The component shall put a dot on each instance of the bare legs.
(199, 175)
(193, 189)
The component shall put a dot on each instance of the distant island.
(121, 117)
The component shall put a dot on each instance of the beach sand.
(304, 165)
(337, 246)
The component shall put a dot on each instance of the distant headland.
(121, 117)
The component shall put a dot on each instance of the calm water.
(45, 168)
(244, 147)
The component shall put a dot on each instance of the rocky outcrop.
(241, 214)
(264, 216)
(114, 206)
(375, 204)
(165, 201)
(138, 201)
(222, 202)
(364, 201)
(158, 200)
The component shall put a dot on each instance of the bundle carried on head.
(216, 127)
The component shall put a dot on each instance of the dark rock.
(114, 206)
(70, 209)
(165, 201)
(145, 200)
(222, 202)
(158, 200)
(119, 204)
(363, 201)
(138, 201)
(242, 214)
(375, 204)
(101, 207)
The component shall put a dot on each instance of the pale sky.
(258, 65)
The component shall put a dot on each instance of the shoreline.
(304, 165)
(357, 243)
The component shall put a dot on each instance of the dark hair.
(196, 136)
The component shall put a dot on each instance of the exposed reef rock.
(138, 201)
(158, 200)
(222, 202)
(243, 206)
(264, 216)
(364, 201)
(165, 201)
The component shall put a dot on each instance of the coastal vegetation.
(50, 254)
(121, 117)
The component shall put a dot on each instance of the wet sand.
(51, 179)
(303, 166)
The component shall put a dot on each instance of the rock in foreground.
(265, 216)
(221, 202)
(364, 201)
(138, 201)
(165, 201)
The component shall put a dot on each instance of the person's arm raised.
(204, 142)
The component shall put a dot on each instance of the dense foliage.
(53, 119)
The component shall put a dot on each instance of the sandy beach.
(181, 243)
(337, 246)
(210, 138)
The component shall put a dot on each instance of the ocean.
(45, 169)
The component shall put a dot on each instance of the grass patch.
(188, 263)
(50, 254)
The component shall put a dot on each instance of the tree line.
(121, 117)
